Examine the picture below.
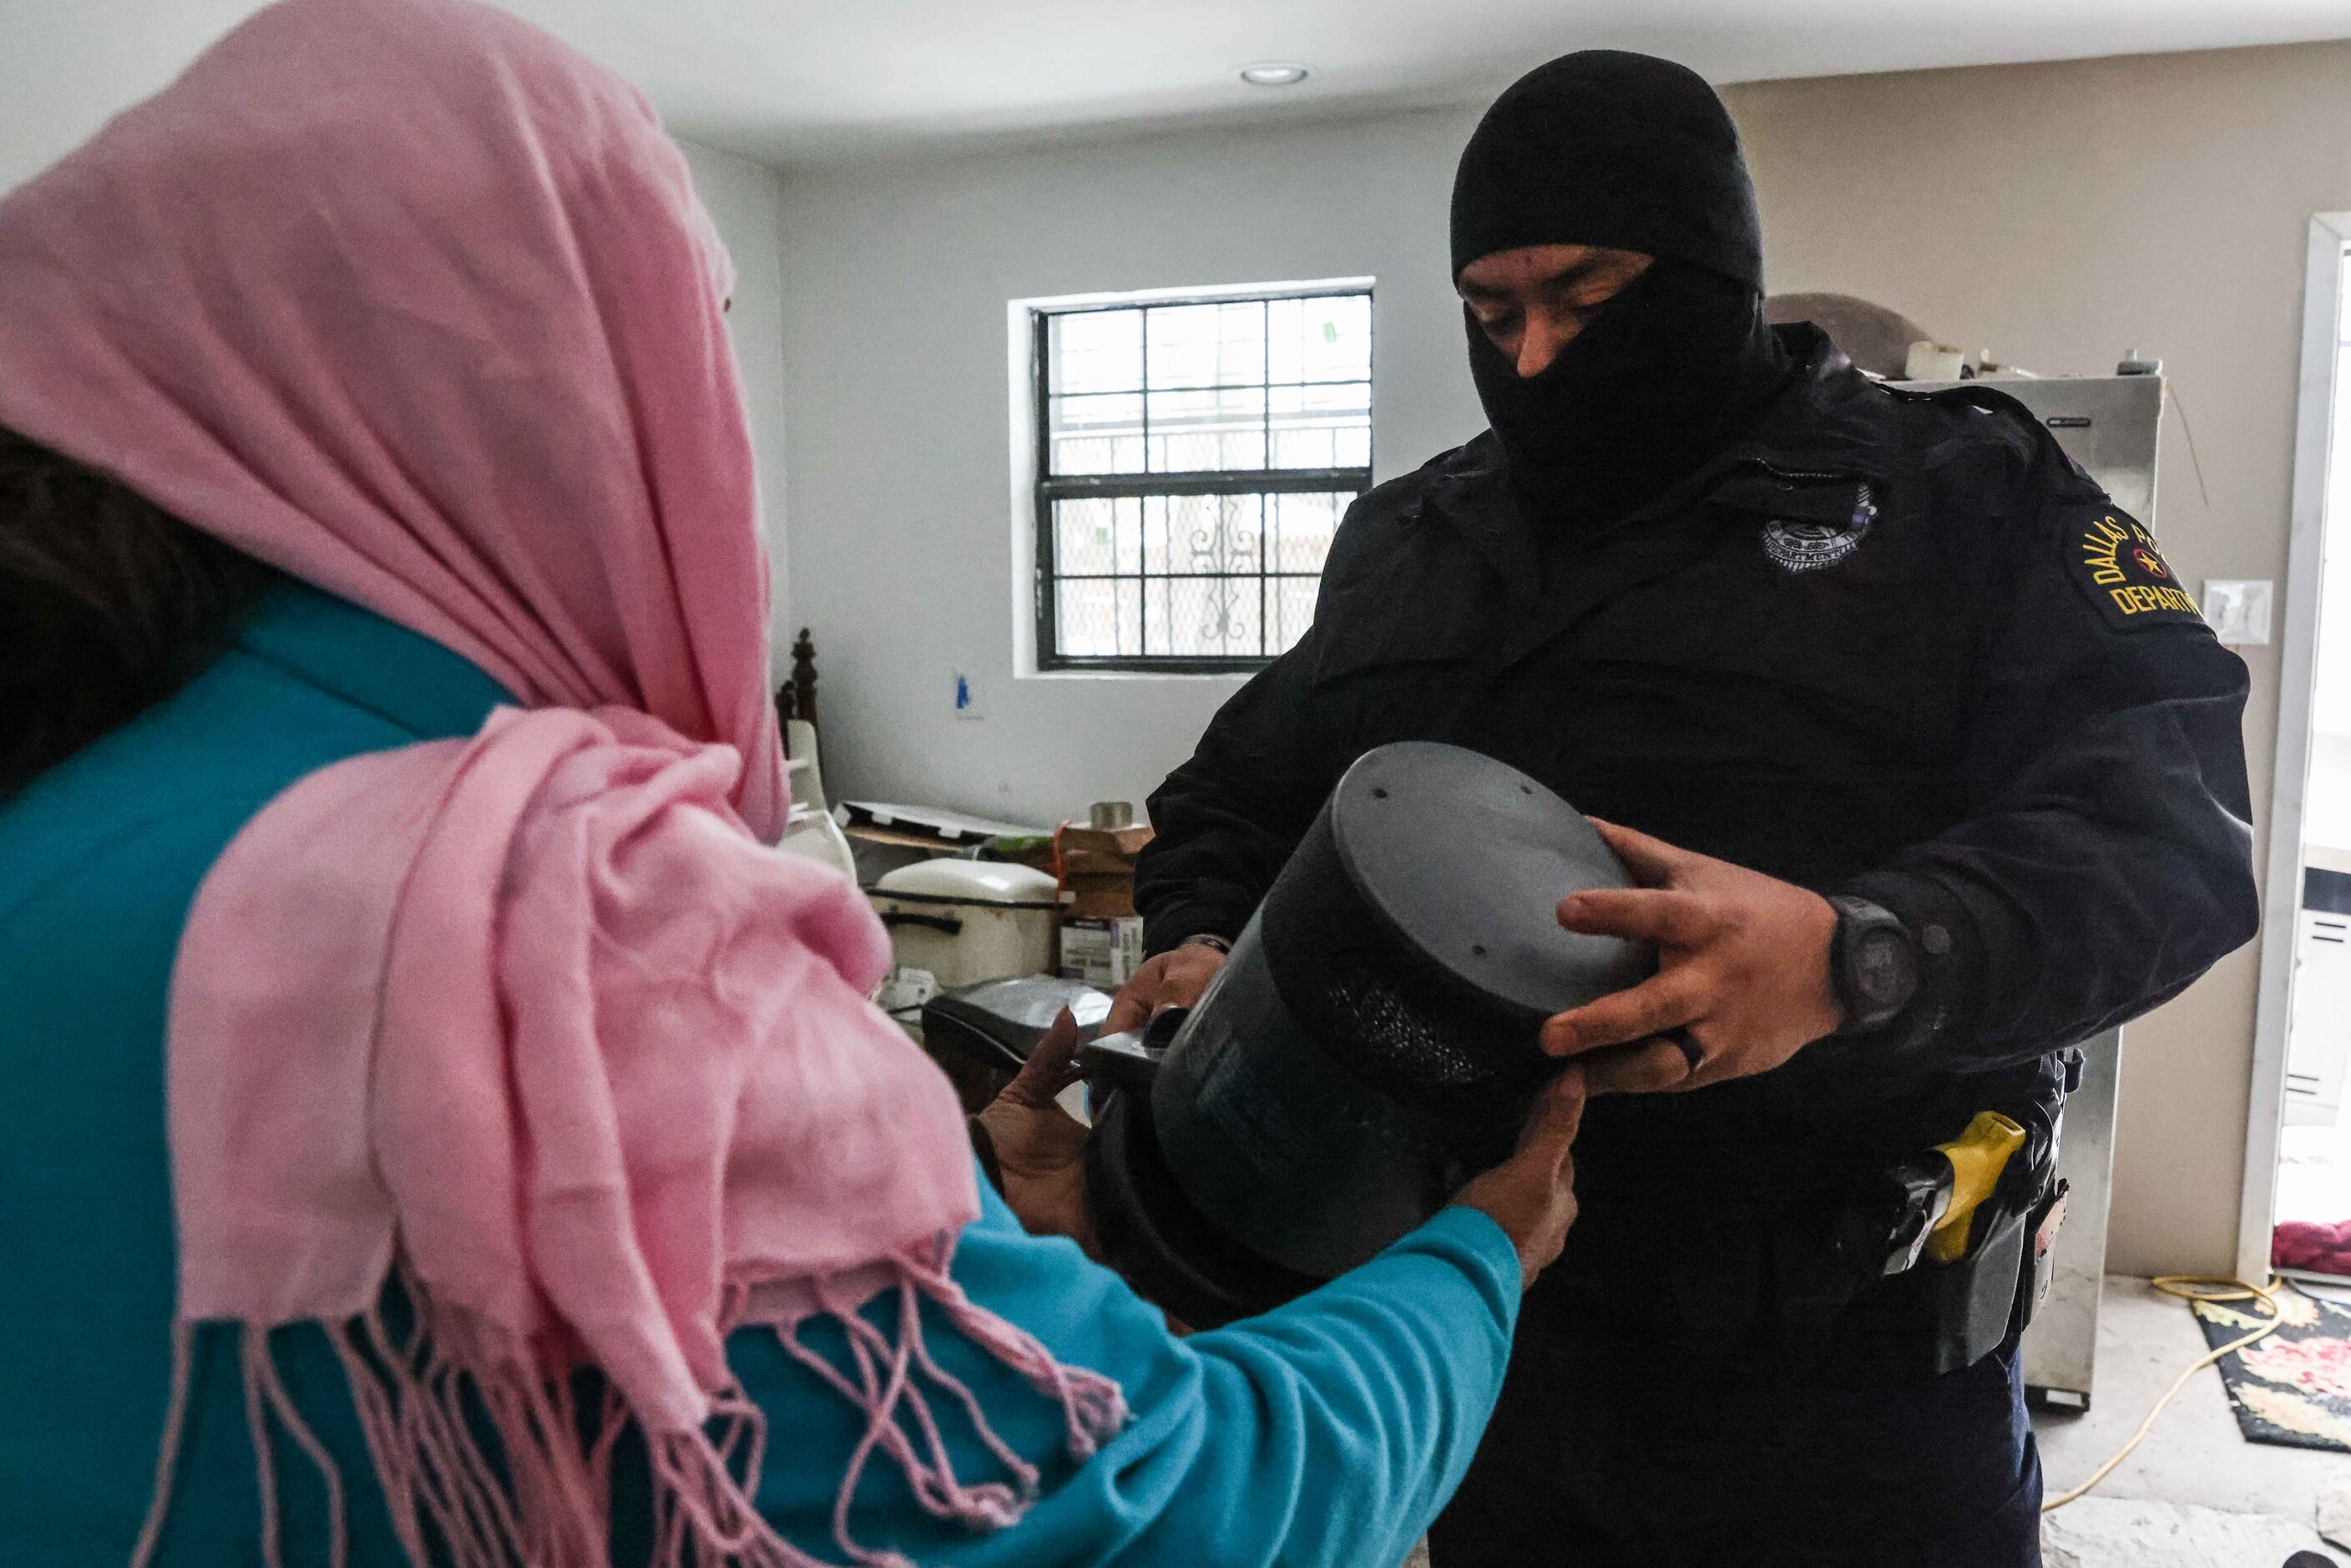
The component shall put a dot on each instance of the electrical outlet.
(2239, 610)
(966, 697)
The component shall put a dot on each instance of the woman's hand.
(1742, 981)
(1532, 1194)
(1172, 979)
(1041, 1149)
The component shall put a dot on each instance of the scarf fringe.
(167, 1452)
(484, 1461)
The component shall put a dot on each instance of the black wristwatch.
(1873, 963)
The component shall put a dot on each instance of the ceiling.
(790, 80)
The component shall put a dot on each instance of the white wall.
(897, 417)
(744, 200)
(66, 66)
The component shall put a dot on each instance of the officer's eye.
(1585, 294)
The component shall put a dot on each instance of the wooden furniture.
(796, 698)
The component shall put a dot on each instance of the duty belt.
(1960, 1242)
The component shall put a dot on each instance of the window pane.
(1197, 534)
(1322, 427)
(1187, 580)
(1097, 538)
(1285, 340)
(1130, 533)
(1156, 639)
(1130, 615)
(1301, 530)
(1290, 603)
(1157, 521)
(1096, 352)
(1329, 400)
(1338, 346)
(1097, 434)
(1082, 538)
(1194, 431)
(1305, 444)
(1221, 344)
(1099, 617)
(1209, 618)
(1326, 339)
(1085, 614)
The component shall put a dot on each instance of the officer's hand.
(1041, 1149)
(1743, 980)
(1532, 1194)
(1174, 979)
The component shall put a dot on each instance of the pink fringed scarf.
(413, 302)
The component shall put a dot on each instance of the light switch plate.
(2238, 610)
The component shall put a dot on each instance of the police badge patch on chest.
(1801, 543)
(2115, 560)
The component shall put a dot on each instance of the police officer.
(1926, 769)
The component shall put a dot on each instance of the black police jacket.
(1888, 643)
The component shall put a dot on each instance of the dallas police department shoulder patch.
(2116, 561)
(1801, 543)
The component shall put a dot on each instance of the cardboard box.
(1102, 952)
(1097, 870)
(1098, 897)
(1113, 843)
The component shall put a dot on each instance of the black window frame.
(1050, 487)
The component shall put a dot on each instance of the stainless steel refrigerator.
(2109, 425)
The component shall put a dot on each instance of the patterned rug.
(2292, 1388)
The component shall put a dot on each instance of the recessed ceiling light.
(1273, 73)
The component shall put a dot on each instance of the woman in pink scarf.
(542, 1188)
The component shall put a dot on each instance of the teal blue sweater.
(1326, 1433)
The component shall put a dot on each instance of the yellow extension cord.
(2187, 1288)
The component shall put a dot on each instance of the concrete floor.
(2194, 1461)
(2195, 1494)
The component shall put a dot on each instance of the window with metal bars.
(1194, 457)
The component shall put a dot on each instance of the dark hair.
(108, 605)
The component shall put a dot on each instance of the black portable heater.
(1368, 1046)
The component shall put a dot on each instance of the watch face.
(1882, 968)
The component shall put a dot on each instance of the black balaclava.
(1637, 153)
